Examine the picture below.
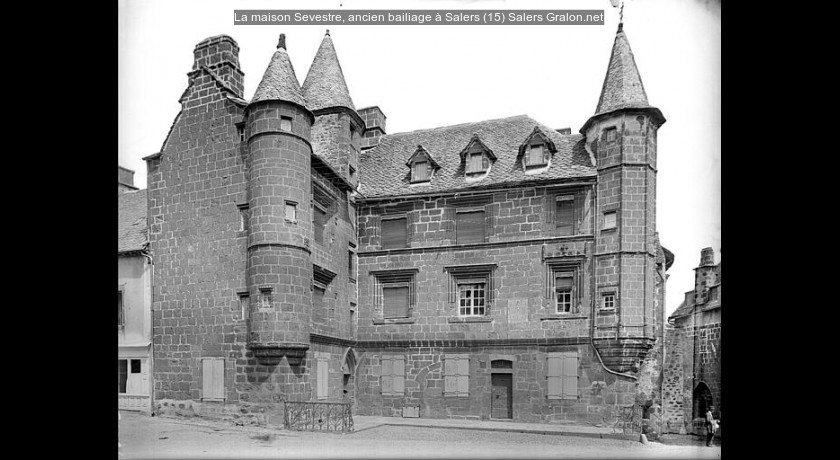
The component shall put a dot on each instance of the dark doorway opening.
(702, 398)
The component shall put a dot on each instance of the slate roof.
(131, 221)
(684, 309)
(384, 172)
(622, 85)
(324, 85)
(279, 82)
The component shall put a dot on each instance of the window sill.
(606, 310)
(394, 320)
(290, 221)
(455, 395)
(610, 229)
(561, 316)
(469, 319)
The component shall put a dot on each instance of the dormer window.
(536, 150)
(476, 157)
(421, 165)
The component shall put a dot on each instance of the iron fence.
(318, 416)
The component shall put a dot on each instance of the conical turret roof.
(622, 85)
(279, 82)
(324, 85)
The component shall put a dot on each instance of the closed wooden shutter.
(476, 163)
(323, 377)
(394, 233)
(320, 218)
(456, 375)
(554, 376)
(213, 378)
(469, 227)
(421, 171)
(450, 378)
(463, 377)
(398, 369)
(387, 377)
(564, 215)
(535, 155)
(570, 378)
(395, 302)
(562, 375)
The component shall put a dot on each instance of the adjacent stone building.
(134, 298)
(693, 352)
(498, 269)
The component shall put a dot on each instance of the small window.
(469, 227)
(352, 172)
(536, 156)
(121, 308)
(319, 220)
(476, 163)
(564, 292)
(265, 298)
(611, 134)
(244, 305)
(420, 171)
(240, 131)
(565, 215)
(608, 301)
(471, 298)
(291, 211)
(323, 376)
(243, 218)
(351, 272)
(285, 123)
(394, 233)
(609, 220)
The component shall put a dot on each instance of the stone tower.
(279, 269)
(621, 136)
(338, 128)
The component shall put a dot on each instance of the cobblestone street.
(155, 437)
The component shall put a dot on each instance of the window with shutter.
(392, 375)
(319, 220)
(476, 163)
(323, 377)
(565, 214)
(394, 233)
(609, 220)
(420, 171)
(213, 379)
(291, 211)
(456, 375)
(536, 156)
(395, 301)
(469, 227)
(562, 375)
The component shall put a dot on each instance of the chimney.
(374, 126)
(125, 179)
(707, 257)
(220, 54)
(564, 130)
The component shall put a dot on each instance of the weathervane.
(621, 13)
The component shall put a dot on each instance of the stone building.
(691, 379)
(498, 269)
(134, 327)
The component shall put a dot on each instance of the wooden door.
(501, 402)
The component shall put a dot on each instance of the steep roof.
(385, 172)
(131, 225)
(279, 82)
(684, 309)
(324, 85)
(622, 85)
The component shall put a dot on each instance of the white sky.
(426, 76)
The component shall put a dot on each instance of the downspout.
(594, 301)
(145, 253)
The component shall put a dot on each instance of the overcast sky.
(425, 76)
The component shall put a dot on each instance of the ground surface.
(157, 437)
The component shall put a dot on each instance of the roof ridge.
(458, 125)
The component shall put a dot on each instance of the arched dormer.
(476, 158)
(536, 151)
(422, 165)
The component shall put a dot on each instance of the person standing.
(711, 426)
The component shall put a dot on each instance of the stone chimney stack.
(220, 54)
(125, 179)
(374, 126)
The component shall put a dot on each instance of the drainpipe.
(145, 253)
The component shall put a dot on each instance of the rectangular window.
(469, 227)
(323, 376)
(121, 309)
(565, 215)
(133, 377)
(392, 375)
(562, 375)
(351, 266)
(240, 131)
(471, 298)
(318, 297)
(476, 163)
(608, 301)
(395, 301)
(420, 171)
(243, 217)
(564, 292)
(319, 220)
(291, 211)
(213, 379)
(244, 305)
(394, 233)
(611, 134)
(265, 298)
(609, 220)
(285, 123)
(536, 156)
(456, 375)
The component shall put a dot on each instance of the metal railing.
(317, 416)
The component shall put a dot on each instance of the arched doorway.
(702, 399)
(348, 380)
